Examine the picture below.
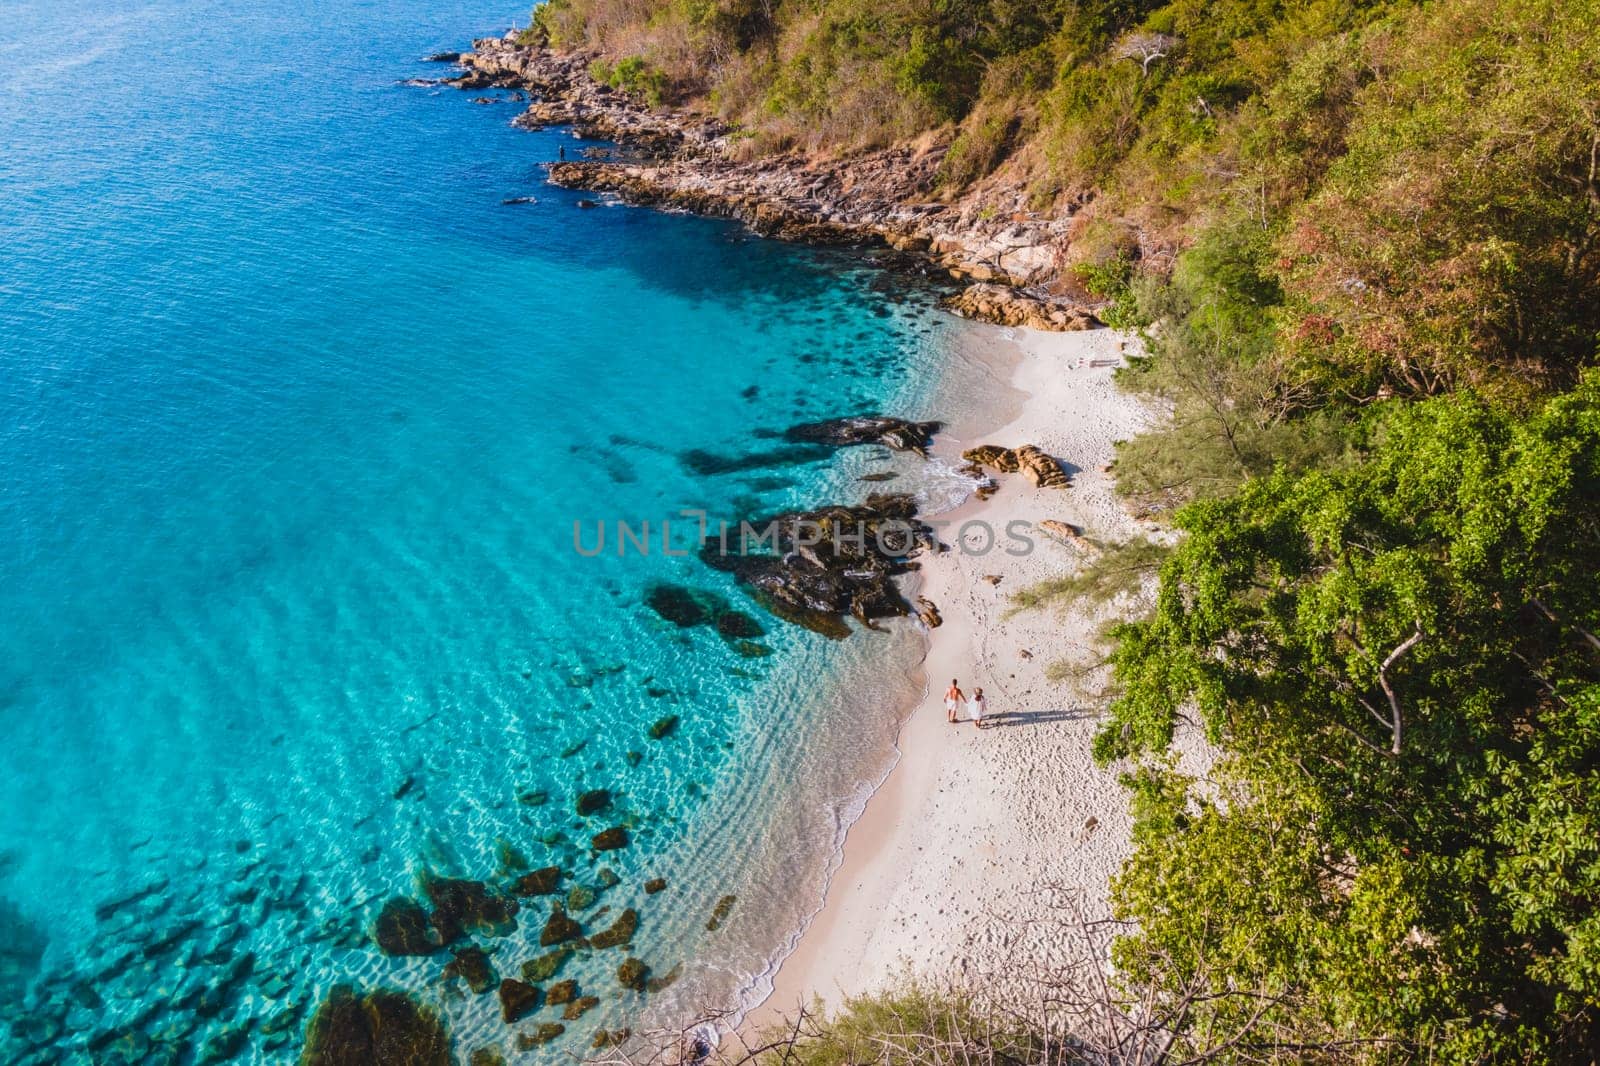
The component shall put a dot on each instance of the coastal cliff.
(1010, 258)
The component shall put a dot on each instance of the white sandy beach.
(944, 874)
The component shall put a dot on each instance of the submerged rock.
(471, 964)
(579, 1007)
(896, 433)
(544, 881)
(720, 912)
(543, 967)
(654, 885)
(562, 992)
(634, 974)
(559, 929)
(611, 839)
(619, 933)
(404, 928)
(593, 801)
(664, 727)
(460, 904)
(518, 1000)
(382, 1028)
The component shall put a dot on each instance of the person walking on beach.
(976, 706)
(953, 699)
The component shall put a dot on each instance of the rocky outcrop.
(987, 302)
(818, 567)
(680, 159)
(1043, 470)
(896, 433)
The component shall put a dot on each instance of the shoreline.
(940, 877)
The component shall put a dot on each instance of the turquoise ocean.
(297, 418)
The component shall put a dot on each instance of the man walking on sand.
(953, 699)
(976, 706)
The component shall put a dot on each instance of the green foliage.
(1399, 658)
(634, 76)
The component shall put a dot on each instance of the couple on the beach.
(954, 698)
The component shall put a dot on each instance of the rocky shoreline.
(681, 160)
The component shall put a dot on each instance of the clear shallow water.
(295, 421)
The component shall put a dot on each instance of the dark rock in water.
(587, 203)
(620, 933)
(222, 1046)
(471, 964)
(666, 980)
(513, 200)
(883, 475)
(827, 564)
(736, 625)
(403, 928)
(711, 464)
(581, 898)
(534, 798)
(720, 912)
(443, 57)
(546, 1032)
(593, 801)
(611, 839)
(606, 877)
(382, 1028)
(664, 727)
(562, 992)
(654, 885)
(634, 974)
(752, 649)
(683, 607)
(897, 433)
(541, 882)
(487, 1056)
(559, 929)
(109, 907)
(405, 786)
(579, 1007)
(543, 967)
(604, 1038)
(518, 999)
(459, 904)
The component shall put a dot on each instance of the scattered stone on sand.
(546, 1032)
(654, 885)
(664, 727)
(561, 992)
(544, 881)
(928, 612)
(604, 1038)
(461, 904)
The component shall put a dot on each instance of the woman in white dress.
(976, 706)
(953, 699)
